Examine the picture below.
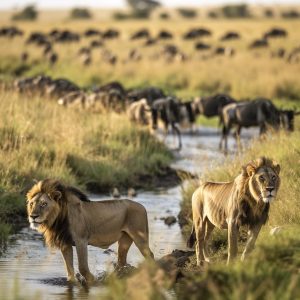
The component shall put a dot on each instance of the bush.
(236, 11)
(288, 90)
(80, 13)
(213, 14)
(291, 14)
(29, 13)
(187, 13)
(164, 16)
(268, 13)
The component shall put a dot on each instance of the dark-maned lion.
(68, 218)
(228, 205)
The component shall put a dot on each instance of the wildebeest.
(287, 119)
(150, 93)
(196, 33)
(259, 112)
(140, 34)
(91, 32)
(167, 110)
(139, 112)
(230, 35)
(200, 46)
(164, 35)
(259, 43)
(227, 51)
(110, 34)
(211, 106)
(187, 115)
(74, 99)
(275, 33)
(10, 31)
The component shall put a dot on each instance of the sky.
(9, 4)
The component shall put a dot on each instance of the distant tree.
(164, 16)
(28, 13)
(269, 13)
(80, 13)
(213, 14)
(291, 14)
(187, 13)
(142, 8)
(236, 11)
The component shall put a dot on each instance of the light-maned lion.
(228, 205)
(68, 218)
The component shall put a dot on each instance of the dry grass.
(247, 74)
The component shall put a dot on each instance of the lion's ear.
(250, 169)
(56, 195)
(276, 167)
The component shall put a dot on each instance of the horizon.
(115, 4)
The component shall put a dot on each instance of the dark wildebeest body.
(211, 106)
(168, 111)
(259, 112)
(287, 119)
(149, 93)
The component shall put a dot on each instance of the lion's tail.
(192, 239)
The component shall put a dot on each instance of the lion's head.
(47, 211)
(262, 176)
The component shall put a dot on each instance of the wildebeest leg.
(238, 138)
(82, 254)
(177, 131)
(209, 227)
(262, 128)
(233, 232)
(252, 236)
(67, 253)
(124, 244)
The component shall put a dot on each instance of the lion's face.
(42, 211)
(264, 183)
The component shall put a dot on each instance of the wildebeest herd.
(96, 39)
(149, 105)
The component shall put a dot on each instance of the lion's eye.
(44, 204)
(31, 204)
(261, 178)
(273, 177)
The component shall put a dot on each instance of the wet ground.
(29, 269)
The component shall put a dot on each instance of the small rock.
(170, 220)
(108, 251)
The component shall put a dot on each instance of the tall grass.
(40, 139)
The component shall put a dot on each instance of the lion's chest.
(250, 216)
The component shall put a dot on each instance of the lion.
(229, 205)
(67, 218)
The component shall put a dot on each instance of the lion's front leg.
(82, 254)
(67, 253)
(233, 232)
(253, 234)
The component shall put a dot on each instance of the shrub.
(236, 11)
(268, 13)
(288, 90)
(80, 13)
(291, 14)
(29, 13)
(187, 13)
(164, 16)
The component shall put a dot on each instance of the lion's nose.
(269, 189)
(33, 216)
